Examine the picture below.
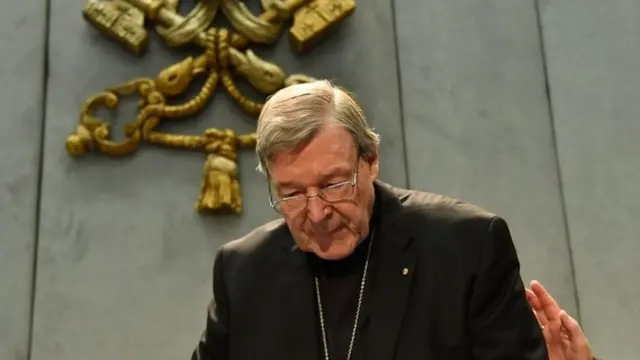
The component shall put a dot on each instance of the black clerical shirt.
(339, 283)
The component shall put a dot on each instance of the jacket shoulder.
(262, 238)
(446, 223)
(452, 230)
(432, 207)
(256, 252)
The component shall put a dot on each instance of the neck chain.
(358, 308)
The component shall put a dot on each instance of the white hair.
(293, 115)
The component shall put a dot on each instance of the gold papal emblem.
(225, 58)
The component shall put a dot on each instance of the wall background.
(527, 108)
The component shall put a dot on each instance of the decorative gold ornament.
(225, 55)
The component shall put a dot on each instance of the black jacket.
(461, 297)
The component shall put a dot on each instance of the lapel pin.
(405, 271)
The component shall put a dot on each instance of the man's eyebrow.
(323, 177)
(335, 171)
(288, 184)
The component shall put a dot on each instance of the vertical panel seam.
(36, 246)
(396, 45)
(554, 138)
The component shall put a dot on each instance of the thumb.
(574, 331)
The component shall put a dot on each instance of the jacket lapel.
(298, 335)
(394, 265)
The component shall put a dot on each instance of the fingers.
(533, 302)
(556, 330)
(533, 299)
(536, 304)
(548, 304)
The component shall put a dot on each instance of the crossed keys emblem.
(225, 57)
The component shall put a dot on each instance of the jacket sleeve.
(214, 343)
(502, 324)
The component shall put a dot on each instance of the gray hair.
(296, 113)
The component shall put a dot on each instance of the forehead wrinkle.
(323, 156)
(323, 175)
(335, 170)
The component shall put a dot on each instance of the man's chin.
(335, 251)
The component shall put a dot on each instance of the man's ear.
(374, 165)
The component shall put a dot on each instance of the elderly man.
(355, 268)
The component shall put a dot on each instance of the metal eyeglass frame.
(352, 182)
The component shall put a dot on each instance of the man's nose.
(316, 209)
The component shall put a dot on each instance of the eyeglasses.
(331, 193)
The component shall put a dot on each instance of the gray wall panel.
(477, 122)
(125, 263)
(22, 36)
(593, 54)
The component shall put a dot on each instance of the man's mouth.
(323, 233)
